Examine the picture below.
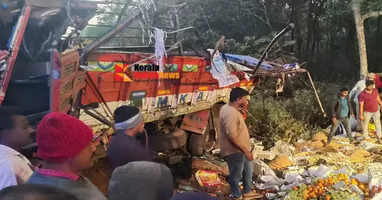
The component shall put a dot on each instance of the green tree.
(325, 35)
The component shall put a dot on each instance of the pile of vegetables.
(335, 187)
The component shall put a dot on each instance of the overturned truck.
(180, 99)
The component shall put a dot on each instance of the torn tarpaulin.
(247, 61)
(160, 51)
(220, 72)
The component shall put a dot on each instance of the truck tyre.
(171, 141)
(197, 143)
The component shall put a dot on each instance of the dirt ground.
(184, 173)
(100, 174)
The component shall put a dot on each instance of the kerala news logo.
(152, 71)
(146, 68)
(146, 71)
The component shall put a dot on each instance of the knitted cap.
(61, 136)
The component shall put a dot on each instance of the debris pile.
(316, 170)
(308, 169)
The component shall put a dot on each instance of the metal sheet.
(196, 122)
(67, 80)
(14, 46)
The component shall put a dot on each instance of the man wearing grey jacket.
(124, 145)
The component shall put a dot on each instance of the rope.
(44, 44)
(41, 50)
(174, 46)
(26, 49)
(205, 18)
(154, 6)
(143, 30)
(146, 139)
(99, 96)
(68, 13)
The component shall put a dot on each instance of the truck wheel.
(197, 143)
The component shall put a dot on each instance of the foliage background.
(291, 117)
(324, 38)
(324, 41)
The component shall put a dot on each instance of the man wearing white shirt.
(358, 88)
(15, 132)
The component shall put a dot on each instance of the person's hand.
(361, 117)
(248, 155)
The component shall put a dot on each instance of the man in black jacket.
(124, 146)
(342, 110)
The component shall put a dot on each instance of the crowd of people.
(366, 96)
(66, 146)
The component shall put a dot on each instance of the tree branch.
(267, 21)
(180, 5)
(121, 13)
(262, 20)
(371, 14)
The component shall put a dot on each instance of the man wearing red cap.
(65, 144)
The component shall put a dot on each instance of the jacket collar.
(8, 150)
(59, 174)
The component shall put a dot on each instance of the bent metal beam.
(97, 43)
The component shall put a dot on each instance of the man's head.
(62, 138)
(239, 97)
(344, 92)
(34, 192)
(15, 130)
(129, 119)
(369, 85)
(145, 180)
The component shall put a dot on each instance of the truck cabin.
(45, 22)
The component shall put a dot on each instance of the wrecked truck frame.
(29, 32)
